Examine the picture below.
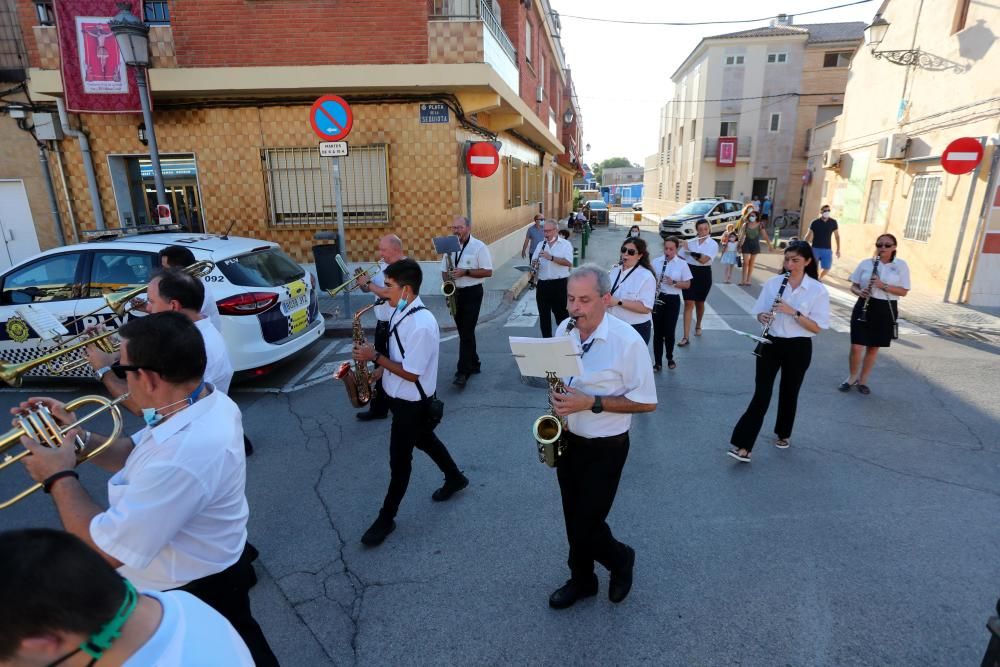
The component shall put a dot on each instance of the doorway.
(763, 187)
(135, 190)
(182, 197)
(17, 228)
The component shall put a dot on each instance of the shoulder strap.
(402, 350)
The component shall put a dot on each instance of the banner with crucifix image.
(95, 77)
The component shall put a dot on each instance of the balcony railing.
(469, 10)
(711, 150)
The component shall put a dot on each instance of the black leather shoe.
(368, 415)
(461, 379)
(621, 579)
(572, 591)
(450, 488)
(377, 532)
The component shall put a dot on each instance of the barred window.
(923, 197)
(157, 12)
(300, 186)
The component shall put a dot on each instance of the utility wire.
(692, 23)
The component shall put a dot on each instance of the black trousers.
(588, 475)
(470, 300)
(550, 296)
(379, 404)
(410, 429)
(791, 356)
(228, 593)
(644, 329)
(665, 326)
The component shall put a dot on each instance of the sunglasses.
(629, 251)
(885, 245)
(121, 369)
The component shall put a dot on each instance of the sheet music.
(42, 321)
(538, 356)
(446, 244)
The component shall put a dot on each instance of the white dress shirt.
(382, 311)
(475, 255)
(638, 285)
(616, 364)
(421, 340)
(706, 247)
(177, 509)
(218, 369)
(210, 309)
(547, 269)
(190, 634)
(895, 274)
(677, 270)
(810, 298)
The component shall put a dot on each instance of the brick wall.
(233, 33)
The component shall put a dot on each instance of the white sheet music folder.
(42, 321)
(538, 356)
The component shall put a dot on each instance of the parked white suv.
(268, 303)
(718, 212)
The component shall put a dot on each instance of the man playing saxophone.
(469, 268)
(617, 381)
(410, 382)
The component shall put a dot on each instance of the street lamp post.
(132, 36)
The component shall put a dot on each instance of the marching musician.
(554, 256)
(82, 611)
(179, 257)
(617, 381)
(410, 381)
(177, 515)
(802, 310)
(472, 266)
(673, 275)
(698, 253)
(881, 282)
(390, 250)
(633, 287)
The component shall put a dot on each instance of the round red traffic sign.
(482, 159)
(962, 155)
(331, 118)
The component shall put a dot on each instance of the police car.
(268, 304)
(717, 211)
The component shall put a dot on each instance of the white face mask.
(752, 218)
(825, 214)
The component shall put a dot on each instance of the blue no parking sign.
(331, 118)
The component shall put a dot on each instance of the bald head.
(390, 248)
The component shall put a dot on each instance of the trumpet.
(759, 350)
(346, 286)
(448, 287)
(39, 424)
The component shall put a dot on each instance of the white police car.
(268, 303)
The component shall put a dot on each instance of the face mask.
(401, 305)
(825, 214)
(753, 218)
(152, 416)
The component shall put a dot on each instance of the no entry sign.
(482, 159)
(331, 118)
(962, 155)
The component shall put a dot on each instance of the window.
(837, 59)
(300, 186)
(777, 57)
(45, 12)
(527, 41)
(687, 192)
(677, 191)
(872, 209)
(114, 269)
(157, 12)
(734, 60)
(269, 268)
(923, 196)
(51, 278)
(775, 123)
(515, 183)
(727, 128)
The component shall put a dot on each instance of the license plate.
(295, 303)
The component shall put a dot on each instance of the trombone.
(39, 424)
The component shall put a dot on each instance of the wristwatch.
(619, 302)
(376, 358)
(598, 406)
(798, 314)
(101, 371)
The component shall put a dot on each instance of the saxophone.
(536, 264)
(448, 287)
(357, 380)
(548, 429)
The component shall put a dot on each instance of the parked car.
(268, 304)
(718, 212)
(597, 212)
(637, 206)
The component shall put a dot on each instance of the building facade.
(742, 105)
(232, 84)
(879, 163)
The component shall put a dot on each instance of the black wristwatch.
(598, 406)
(798, 314)
(619, 302)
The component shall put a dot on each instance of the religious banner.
(95, 77)
(725, 155)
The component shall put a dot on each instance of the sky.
(622, 72)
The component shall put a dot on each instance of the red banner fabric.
(725, 155)
(95, 78)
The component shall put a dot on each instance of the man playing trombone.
(177, 512)
(472, 265)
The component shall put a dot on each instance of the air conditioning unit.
(539, 92)
(831, 159)
(893, 146)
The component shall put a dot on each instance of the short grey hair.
(394, 241)
(546, 223)
(601, 276)
(465, 221)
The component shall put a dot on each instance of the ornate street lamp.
(132, 36)
(568, 116)
(875, 33)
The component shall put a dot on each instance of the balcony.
(467, 31)
(711, 150)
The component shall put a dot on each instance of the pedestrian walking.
(752, 234)
(729, 243)
(533, 236)
(819, 234)
(765, 209)
(551, 262)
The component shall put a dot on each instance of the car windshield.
(267, 268)
(597, 204)
(697, 208)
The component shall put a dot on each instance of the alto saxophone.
(357, 380)
(448, 287)
(548, 429)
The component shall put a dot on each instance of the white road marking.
(451, 337)
(905, 327)
(312, 364)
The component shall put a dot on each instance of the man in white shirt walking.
(554, 258)
(473, 266)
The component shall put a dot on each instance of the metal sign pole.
(468, 184)
(340, 229)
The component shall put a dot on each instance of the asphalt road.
(872, 540)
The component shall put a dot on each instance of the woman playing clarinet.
(794, 308)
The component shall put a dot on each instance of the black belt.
(603, 440)
(479, 285)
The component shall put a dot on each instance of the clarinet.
(759, 350)
(863, 317)
(663, 270)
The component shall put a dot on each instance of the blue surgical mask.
(152, 416)
(401, 306)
